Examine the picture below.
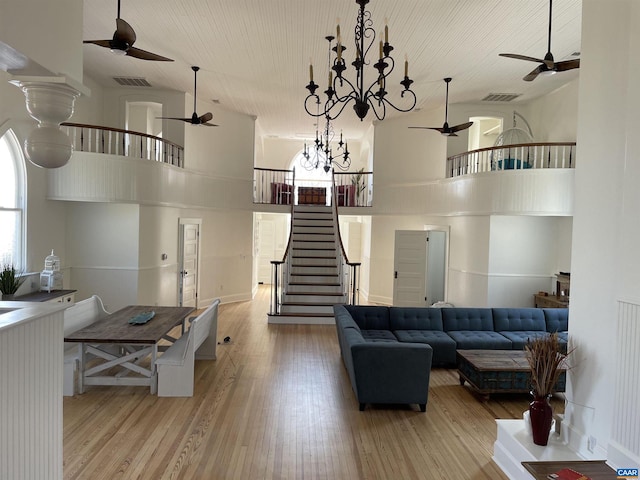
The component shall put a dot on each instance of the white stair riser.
(328, 262)
(314, 270)
(306, 308)
(308, 229)
(338, 298)
(315, 288)
(324, 222)
(297, 237)
(312, 244)
(300, 254)
(317, 279)
(312, 208)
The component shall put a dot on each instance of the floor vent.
(500, 97)
(132, 81)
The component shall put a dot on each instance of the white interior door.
(188, 273)
(410, 268)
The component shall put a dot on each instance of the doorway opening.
(484, 131)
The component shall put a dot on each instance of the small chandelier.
(321, 151)
(341, 91)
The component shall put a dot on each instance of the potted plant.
(546, 358)
(357, 180)
(10, 281)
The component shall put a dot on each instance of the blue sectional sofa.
(389, 351)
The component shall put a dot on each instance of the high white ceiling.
(254, 55)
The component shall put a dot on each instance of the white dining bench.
(176, 365)
(80, 315)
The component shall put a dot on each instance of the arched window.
(314, 177)
(12, 200)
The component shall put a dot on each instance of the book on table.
(567, 474)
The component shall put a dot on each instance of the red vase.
(541, 415)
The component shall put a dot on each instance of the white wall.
(404, 155)
(49, 33)
(605, 266)
(158, 234)
(278, 153)
(45, 221)
(523, 256)
(554, 117)
(469, 260)
(226, 150)
(102, 250)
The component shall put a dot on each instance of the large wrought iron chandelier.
(341, 91)
(320, 152)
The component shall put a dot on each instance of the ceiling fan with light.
(122, 42)
(446, 130)
(195, 119)
(547, 65)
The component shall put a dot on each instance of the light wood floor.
(277, 404)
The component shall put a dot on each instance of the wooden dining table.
(125, 348)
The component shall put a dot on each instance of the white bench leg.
(69, 381)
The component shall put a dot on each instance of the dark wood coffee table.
(497, 371)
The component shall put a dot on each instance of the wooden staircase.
(314, 284)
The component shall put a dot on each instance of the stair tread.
(319, 294)
(308, 304)
(305, 274)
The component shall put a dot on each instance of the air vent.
(132, 81)
(500, 97)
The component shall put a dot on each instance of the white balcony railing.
(513, 157)
(127, 143)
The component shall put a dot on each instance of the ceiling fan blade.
(206, 117)
(209, 124)
(567, 65)
(439, 129)
(534, 73)
(175, 118)
(521, 57)
(124, 32)
(462, 126)
(102, 43)
(144, 55)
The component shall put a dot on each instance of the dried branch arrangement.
(546, 362)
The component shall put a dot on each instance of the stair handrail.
(353, 293)
(278, 281)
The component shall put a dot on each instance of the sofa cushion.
(370, 317)
(343, 318)
(415, 318)
(556, 319)
(518, 319)
(519, 339)
(378, 336)
(479, 339)
(463, 318)
(444, 347)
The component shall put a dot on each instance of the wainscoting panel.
(530, 192)
(626, 415)
(31, 399)
(97, 177)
